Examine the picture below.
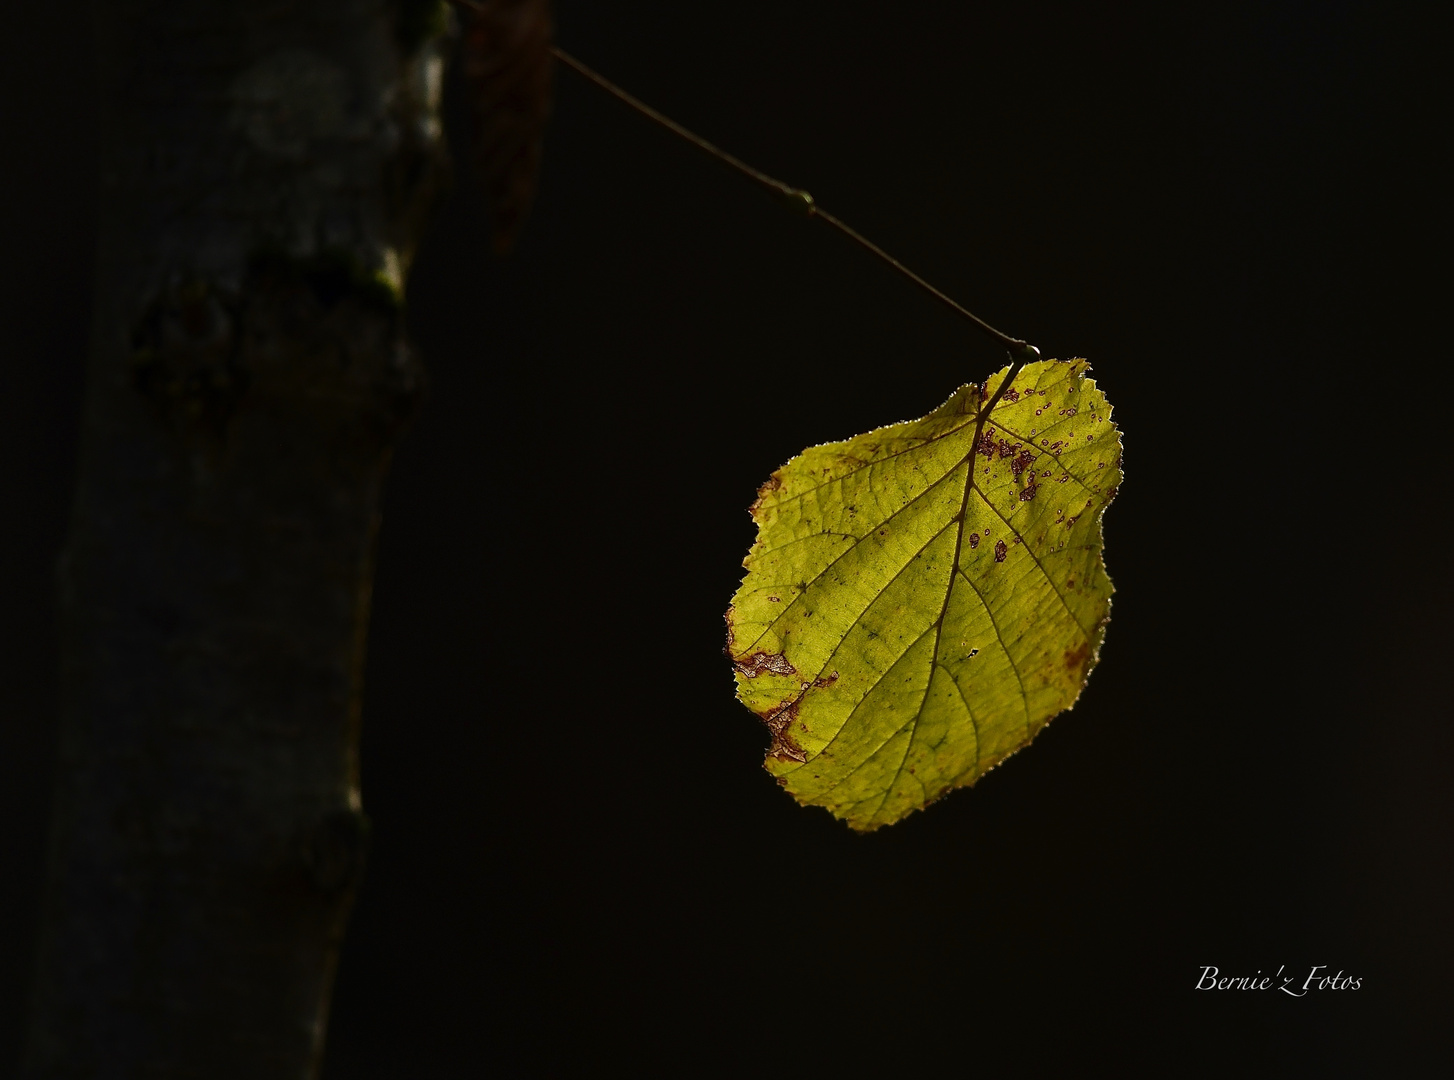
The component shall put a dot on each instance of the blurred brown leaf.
(507, 73)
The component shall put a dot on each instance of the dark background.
(578, 863)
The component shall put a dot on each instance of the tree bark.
(266, 166)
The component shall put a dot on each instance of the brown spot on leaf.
(773, 483)
(780, 720)
(754, 665)
(1000, 551)
(974, 540)
(784, 747)
(777, 720)
(1076, 660)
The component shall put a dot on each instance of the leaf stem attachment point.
(1022, 353)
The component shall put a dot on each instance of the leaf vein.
(973, 723)
(1024, 697)
(850, 549)
(1029, 551)
(876, 461)
(800, 539)
(891, 736)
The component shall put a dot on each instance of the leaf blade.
(922, 599)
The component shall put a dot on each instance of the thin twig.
(797, 199)
(1021, 352)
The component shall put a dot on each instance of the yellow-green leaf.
(921, 600)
